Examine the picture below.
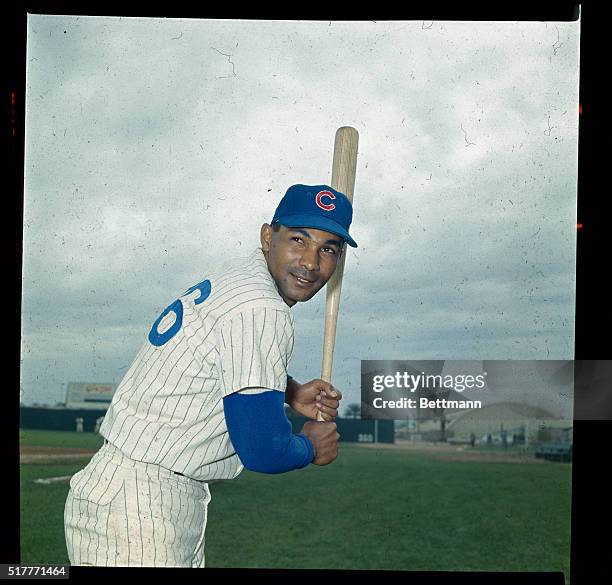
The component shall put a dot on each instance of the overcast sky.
(155, 147)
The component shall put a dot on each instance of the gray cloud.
(155, 148)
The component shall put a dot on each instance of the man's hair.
(276, 228)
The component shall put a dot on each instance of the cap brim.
(317, 222)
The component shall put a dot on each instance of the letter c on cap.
(325, 206)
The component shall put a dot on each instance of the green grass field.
(371, 509)
(63, 439)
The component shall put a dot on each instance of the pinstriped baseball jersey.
(230, 331)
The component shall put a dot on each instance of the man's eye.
(329, 250)
(296, 239)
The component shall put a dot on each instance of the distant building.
(510, 418)
(89, 395)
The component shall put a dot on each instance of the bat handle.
(334, 287)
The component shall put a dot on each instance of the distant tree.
(353, 410)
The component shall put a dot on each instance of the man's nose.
(310, 259)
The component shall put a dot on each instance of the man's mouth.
(302, 281)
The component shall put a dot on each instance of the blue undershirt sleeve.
(261, 433)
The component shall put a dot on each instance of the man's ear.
(265, 236)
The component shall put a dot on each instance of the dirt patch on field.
(489, 458)
(447, 452)
(411, 445)
(40, 454)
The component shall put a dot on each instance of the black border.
(591, 438)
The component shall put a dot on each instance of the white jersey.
(231, 331)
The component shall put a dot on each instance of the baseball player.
(205, 396)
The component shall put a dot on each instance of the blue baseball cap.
(316, 206)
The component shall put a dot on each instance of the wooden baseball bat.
(343, 179)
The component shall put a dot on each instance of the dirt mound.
(41, 454)
(449, 452)
(41, 450)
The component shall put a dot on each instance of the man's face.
(301, 260)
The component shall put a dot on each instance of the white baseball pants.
(121, 512)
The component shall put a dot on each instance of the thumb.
(330, 391)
